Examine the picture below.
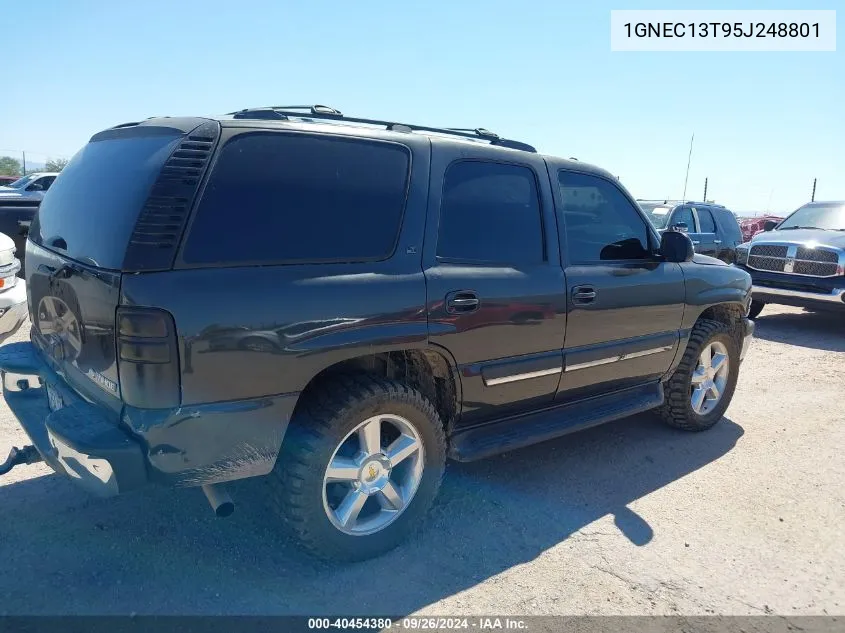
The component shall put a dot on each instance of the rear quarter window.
(729, 224)
(91, 209)
(290, 198)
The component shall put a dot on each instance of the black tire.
(318, 426)
(677, 409)
(756, 309)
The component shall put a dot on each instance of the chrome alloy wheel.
(709, 378)
(373, 475)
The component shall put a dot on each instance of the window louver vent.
(159, 227)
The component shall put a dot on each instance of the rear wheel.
(700, 390)
(756, 308)
(359, 468)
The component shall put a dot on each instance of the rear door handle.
(583, 294)
(462, 301)
(717, 241)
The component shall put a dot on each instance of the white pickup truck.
(13, 308)
(30, 187)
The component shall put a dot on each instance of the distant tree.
(9, 166)
(55, 164)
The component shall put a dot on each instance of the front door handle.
(583, 294)
(696, 242)
(462, 301)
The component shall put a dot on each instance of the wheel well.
(728, 313)
(425, 370)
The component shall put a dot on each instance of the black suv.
(712, 228)
(339, 304)
(799, 261)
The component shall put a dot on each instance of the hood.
(8, 192)
(818, 237)
(706, 260)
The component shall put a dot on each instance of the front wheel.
(360, 466)
(700, 390)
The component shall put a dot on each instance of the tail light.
(147, 358)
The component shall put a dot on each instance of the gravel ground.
(628, 518)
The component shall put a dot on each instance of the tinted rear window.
(299, 198)
(90, 211)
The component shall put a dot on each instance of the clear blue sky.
(765, 124)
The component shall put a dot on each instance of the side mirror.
(676, 247)
(683, 227)
(768, 225)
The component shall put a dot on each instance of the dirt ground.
(629, 518)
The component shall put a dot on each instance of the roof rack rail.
(326, 112)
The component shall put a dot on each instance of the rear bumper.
(76, 440)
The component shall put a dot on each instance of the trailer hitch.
(19, 456)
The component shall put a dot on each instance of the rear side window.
(705, 221)
(728, 223)
(490, 213)
(91, 209)
(275, 198)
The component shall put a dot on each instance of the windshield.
(830, 217)
(657, 213)
(20, 183)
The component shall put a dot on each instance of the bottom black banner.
(294, 624)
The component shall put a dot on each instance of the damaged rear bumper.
(110, 453)
(76, 439)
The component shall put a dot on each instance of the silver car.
(30, 187)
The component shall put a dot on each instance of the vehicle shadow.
(162, 552)
(816, 330)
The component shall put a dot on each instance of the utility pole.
(704, 199)
(24, 163)
(689, 159)
(813, 197)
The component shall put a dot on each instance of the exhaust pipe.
(219, 499)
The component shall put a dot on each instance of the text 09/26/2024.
(723, 30)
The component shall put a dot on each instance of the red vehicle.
(7, 180)
(751, 226)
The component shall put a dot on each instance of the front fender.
(709, 285)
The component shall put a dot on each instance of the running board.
(518, 432)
